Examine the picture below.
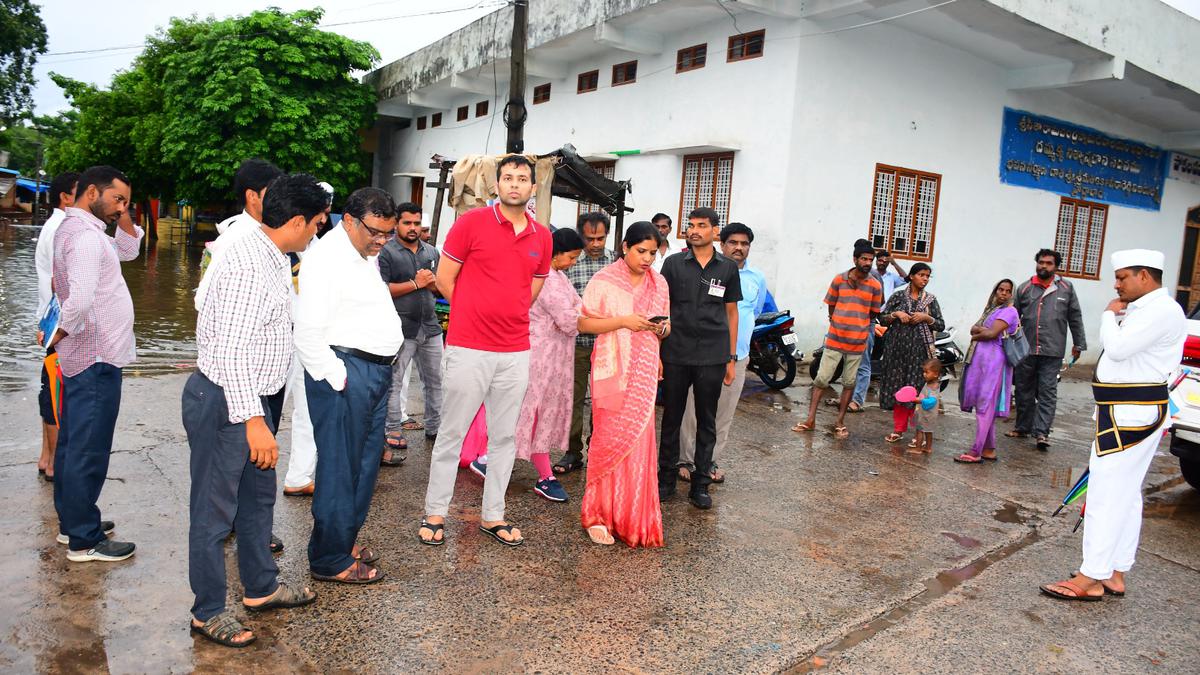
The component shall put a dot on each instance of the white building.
(817, 122)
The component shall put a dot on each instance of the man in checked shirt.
(244, 353)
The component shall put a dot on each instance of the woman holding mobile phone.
(625, 305)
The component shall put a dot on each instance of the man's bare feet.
(599, 535)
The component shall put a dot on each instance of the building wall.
(718, 105)
(885, 95)
(809, 121)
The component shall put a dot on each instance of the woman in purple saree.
(988, 377)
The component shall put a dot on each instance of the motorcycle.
(943, 342)
(773, 354)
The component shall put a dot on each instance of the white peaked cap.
(1138, 257)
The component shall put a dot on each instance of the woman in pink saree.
(621, 498)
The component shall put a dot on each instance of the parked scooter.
(947, 352)
(773, 354)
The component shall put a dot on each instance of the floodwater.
(161, 281)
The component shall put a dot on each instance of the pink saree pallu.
(622, 472)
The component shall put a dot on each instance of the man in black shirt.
(700, 352)
(408, 264)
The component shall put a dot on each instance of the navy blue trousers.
(348, 427)
(228, 493)
(90, 403)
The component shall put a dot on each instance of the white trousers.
(1112, 522)
(302, 465)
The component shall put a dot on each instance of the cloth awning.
(32, 185)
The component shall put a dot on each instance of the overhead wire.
(478, 5)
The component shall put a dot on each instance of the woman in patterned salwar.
(621, 497)
(913, 317)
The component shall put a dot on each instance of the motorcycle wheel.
(815, 365)
(779, 360)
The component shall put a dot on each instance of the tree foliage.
(206, 94)
(31, 143)
(22, 38)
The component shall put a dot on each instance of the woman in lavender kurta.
(553, 324)
(988, 377)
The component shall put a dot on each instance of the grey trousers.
(426, 352)
(496, 380)
(1036, 382)
(726, 407)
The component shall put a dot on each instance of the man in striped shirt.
(854, 298)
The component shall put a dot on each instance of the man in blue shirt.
(735, 245)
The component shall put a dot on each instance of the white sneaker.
(106, 551)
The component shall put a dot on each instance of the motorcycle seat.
(770, 317)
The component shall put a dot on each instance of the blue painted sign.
(1076, 161)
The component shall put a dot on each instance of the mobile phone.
(657, 319)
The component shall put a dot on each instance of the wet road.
(161, 281)
(818, 554)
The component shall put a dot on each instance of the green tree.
(22, 38)
(206, 94)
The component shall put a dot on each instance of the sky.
(73, 26)
(389, 25)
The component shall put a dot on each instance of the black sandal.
(568, 464)
(221, 629)
(285, 597)
(435, 528)
(276, 545)
(497, 529)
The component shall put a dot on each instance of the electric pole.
(514, 112)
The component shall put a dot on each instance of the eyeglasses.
(374, 233)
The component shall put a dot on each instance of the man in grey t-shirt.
(407, 264)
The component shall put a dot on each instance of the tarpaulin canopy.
(32, 185)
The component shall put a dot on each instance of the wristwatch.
(733, 358)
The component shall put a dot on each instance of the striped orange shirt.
(853, 304)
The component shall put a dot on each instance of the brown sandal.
(222, 628)
(285, 597)
(1080, 594)
(359, 574)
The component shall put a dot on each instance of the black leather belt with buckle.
(366, 356)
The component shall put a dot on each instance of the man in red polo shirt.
(494, 263)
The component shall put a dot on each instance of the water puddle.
(935, 588)
(962, 540)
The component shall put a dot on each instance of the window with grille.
(1080, 237)
(588, 81)
(624, 73)
(691, 58)
(481, 108)
(436, 120)
(541, 93)
(707, 181)
(746, 45)
(463, 112)
(420, 122)
(904, 211)
(606, 169)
